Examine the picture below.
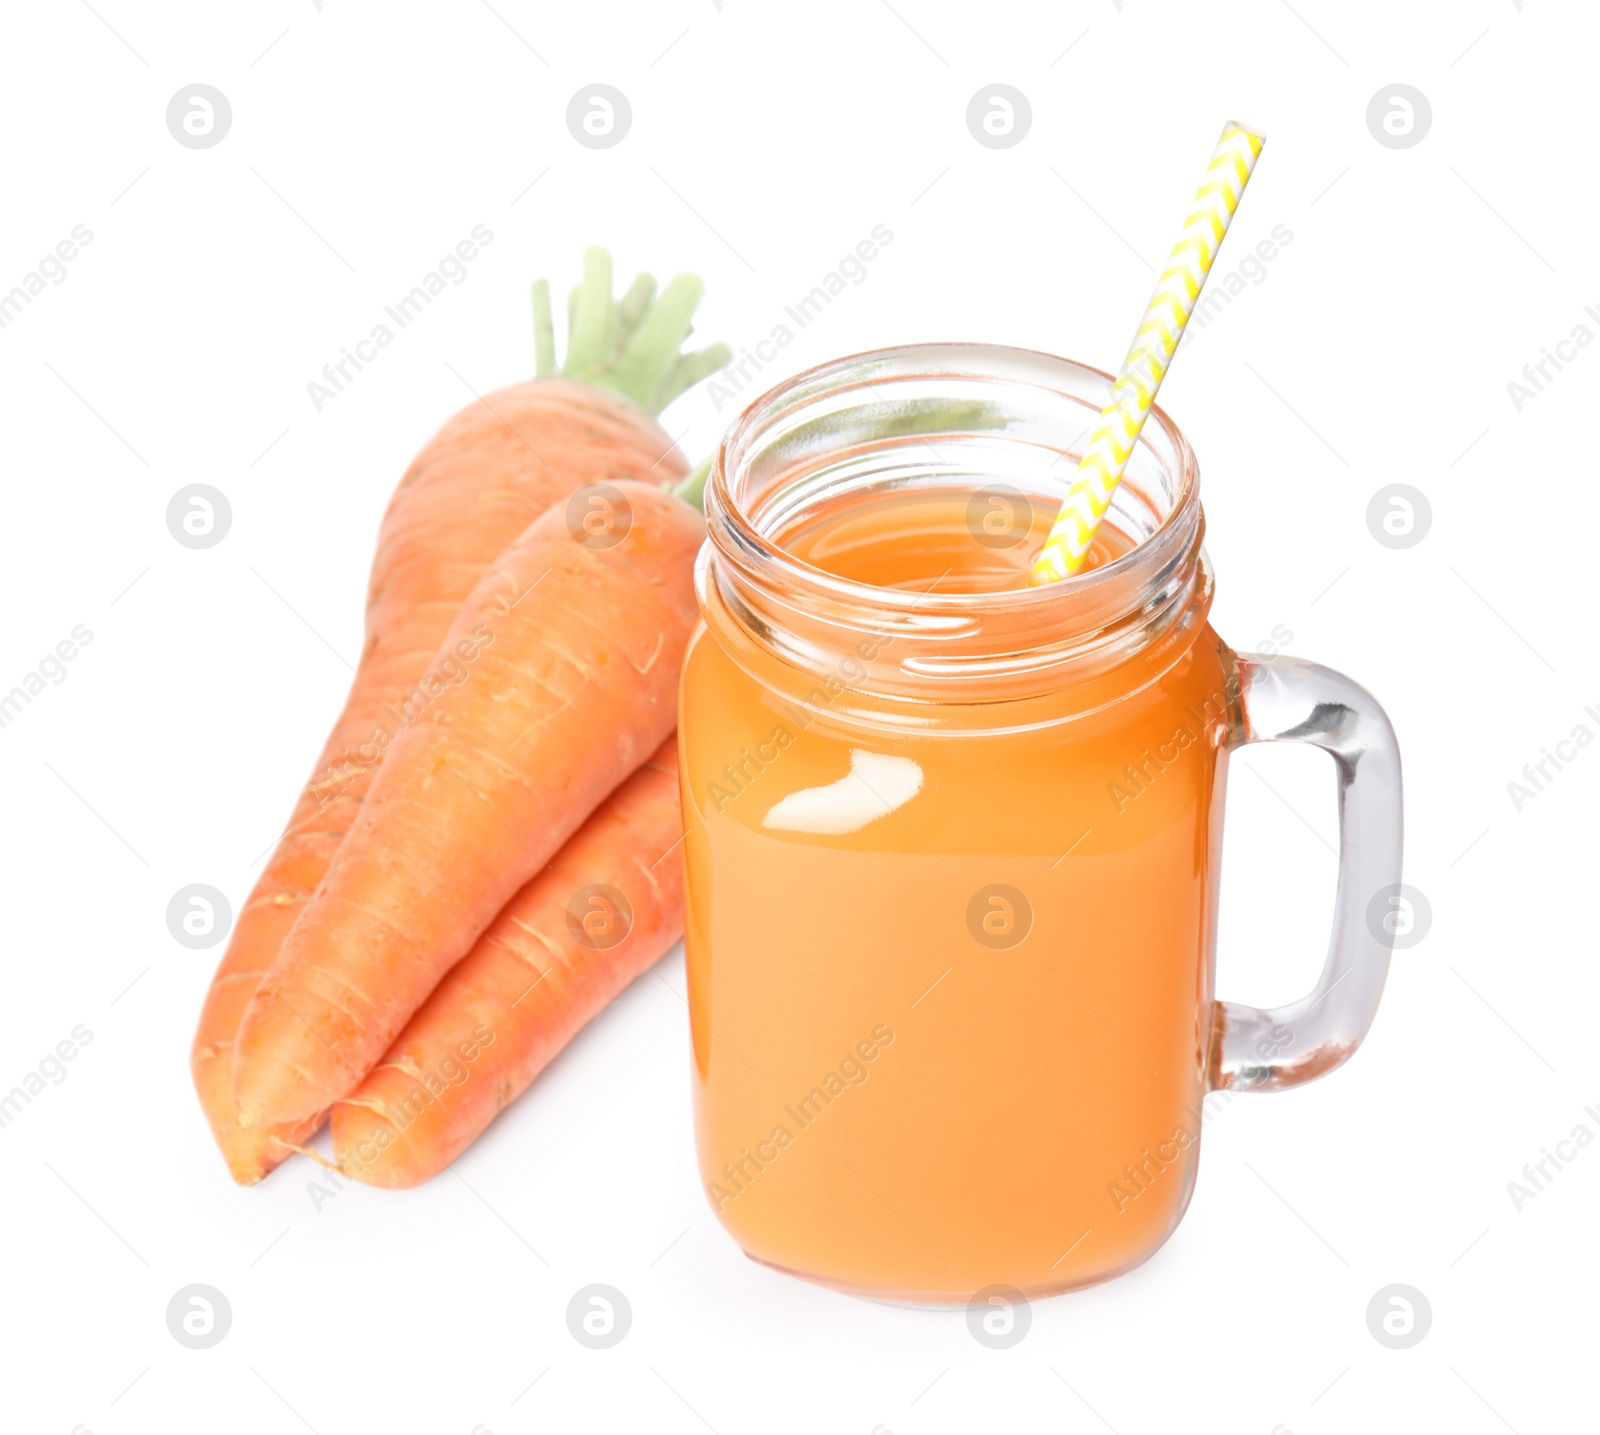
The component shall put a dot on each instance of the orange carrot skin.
(488, 473)
(574, 686)
(527, 987)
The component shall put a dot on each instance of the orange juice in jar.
(953, 842)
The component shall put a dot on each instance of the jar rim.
(1177, 528)
(874, 420)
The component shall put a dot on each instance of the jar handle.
(1286, 700)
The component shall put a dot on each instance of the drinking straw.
(1133, 393)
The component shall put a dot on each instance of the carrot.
(577, 637)
(492, 469)
(559, 951)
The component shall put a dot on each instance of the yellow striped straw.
(1133, 393)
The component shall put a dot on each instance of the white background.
(766, 140)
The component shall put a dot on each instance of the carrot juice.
(928, 1055)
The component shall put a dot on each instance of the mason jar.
(953, 842)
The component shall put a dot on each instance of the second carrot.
(577, 635)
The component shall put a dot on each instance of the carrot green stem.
(635, 302)
(544, 331)
(591, 317)
(688, 370)
(633, 346)
(653, 349)
(691, 488)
